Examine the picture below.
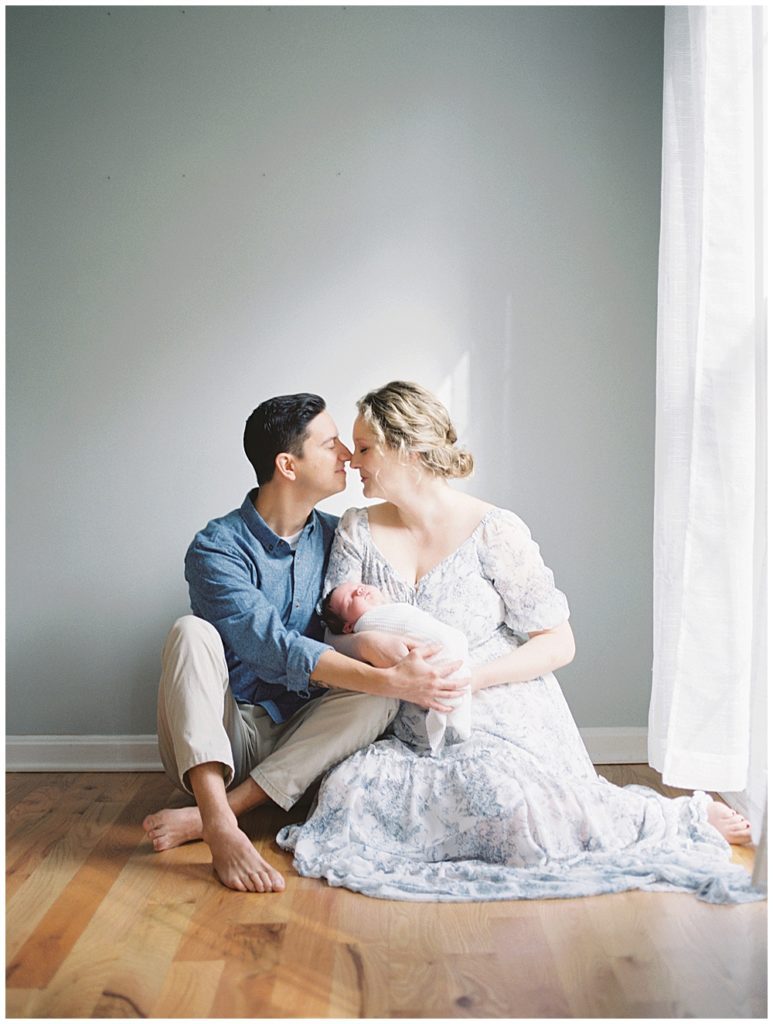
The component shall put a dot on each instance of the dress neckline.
(415, 586)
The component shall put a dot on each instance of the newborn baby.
(354, 607)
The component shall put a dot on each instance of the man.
(252, 705)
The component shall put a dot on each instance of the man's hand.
(415, 680)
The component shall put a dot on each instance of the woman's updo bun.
(408, 418)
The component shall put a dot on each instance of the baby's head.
(343, 606)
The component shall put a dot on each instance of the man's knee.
(191, 634)
(193, 646)
(390, 706)
(191, 629)
(368, 707)
(384, 708)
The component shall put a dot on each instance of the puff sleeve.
(511, 560)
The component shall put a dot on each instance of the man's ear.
(285, 464)
(348, 627)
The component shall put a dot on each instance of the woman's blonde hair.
(407, 418)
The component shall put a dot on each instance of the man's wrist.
(340, 672)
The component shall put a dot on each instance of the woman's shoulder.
(352, 519)
(381, 514)
(502, 522)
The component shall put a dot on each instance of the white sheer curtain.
(709, 583)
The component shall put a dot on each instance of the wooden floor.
(100, 926)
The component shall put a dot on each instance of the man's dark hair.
(278, 425)
(334, 622)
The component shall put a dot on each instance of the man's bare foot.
(730, 825)
(173, 827)
(238, 864)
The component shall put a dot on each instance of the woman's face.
(381, 469)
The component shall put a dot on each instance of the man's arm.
(380, 649)
(224, 593)
(412, 679)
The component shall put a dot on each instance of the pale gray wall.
(207, 206)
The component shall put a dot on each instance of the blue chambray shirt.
(261, 597)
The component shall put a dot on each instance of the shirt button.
(297, 604)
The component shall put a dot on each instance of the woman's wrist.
(479, 678)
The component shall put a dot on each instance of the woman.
(517, 810)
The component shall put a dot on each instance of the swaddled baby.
(354, 607)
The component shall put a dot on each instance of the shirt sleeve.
(512, 561)
(346, 554)
(224, 592)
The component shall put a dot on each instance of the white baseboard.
(605, 745)
(82, 754)
(625, 744)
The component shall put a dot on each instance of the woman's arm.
(543, 652)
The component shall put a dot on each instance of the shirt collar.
(260, 528)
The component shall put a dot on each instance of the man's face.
(351, 600)
(321, 469)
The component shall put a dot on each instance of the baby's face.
(351, 600)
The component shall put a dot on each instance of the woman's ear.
(285, 464)
(348, 627)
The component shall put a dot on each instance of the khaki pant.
(199, 721)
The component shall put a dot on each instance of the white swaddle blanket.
(406, 620)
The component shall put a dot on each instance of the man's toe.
(257, 882)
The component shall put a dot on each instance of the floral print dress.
(517, 811)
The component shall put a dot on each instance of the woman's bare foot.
(173, 827)
(730, 825)
(238, 864)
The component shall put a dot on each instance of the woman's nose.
(354, 461)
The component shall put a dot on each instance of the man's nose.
(346, 454)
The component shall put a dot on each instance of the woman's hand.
(415, 680)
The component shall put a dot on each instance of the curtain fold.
(709, 539)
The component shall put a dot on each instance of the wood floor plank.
(82, 980)
(359, 984)
(348, 983)
(18, 785)
(441, 927)
(189, 989)
(19, 1001)
(621, 921)
(56, 838)
(303, 980)
(252, 963)
(716, 954)
(137, 979)
(448, 986)
(530, 980)
(59, 929)
(39, 877)
(588, 981)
